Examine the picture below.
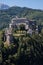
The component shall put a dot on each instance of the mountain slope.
(7, 14)
(3, 6)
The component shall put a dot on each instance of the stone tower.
(8, 34)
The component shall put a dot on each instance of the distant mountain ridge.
(3, 6)
(32, 14)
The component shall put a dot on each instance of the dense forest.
(31, 14)
(25, 50)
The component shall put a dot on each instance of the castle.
(15, 22)
(30, 26)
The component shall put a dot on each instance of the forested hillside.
(25, 50)
(6, 15)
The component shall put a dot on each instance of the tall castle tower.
(8, 33)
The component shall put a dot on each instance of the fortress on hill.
(30, 27)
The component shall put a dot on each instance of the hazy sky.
(35, 4)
